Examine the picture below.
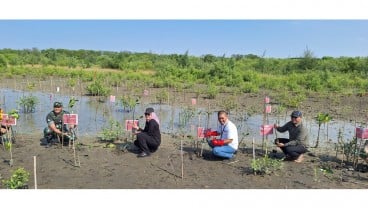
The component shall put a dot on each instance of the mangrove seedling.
(18, 180)
(321, 118)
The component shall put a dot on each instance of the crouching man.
(226, 146)
(294, 147)
(55, 129)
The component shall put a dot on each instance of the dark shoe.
(43, 142)
(143, 154)
(232, 159)
(153, 150)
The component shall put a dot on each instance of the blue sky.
(274, 38)
(274, 28)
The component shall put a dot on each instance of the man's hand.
(280, 144)
(135, 126)
(3, 130)
(218, 142)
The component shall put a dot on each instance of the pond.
(94, 115)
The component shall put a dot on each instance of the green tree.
(3, 61)
(308, 61)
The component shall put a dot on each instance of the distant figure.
(3, 131)
(4, 128)
(55, 128)
(294, 147)
(366, 150)
(148, 139)
(227, 144)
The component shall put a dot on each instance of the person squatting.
(227, 145)
(56, 131)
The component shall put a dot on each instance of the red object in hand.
(218, 142)
(211, 133)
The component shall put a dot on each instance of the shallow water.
(95, 115)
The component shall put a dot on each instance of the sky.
(277, 29)
(269, 38)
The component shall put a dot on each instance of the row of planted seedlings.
(27, 105)
(346, 150)
(163, 94)
(114, 130)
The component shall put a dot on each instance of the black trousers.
(293, 150)
(146, 143)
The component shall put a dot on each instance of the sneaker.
(300, 158)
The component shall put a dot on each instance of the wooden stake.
(182, 159)
(254, 153)
(34, 172)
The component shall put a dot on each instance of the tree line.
(247, 73)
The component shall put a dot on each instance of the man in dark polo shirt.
(294, 147)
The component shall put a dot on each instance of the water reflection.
(94, 115)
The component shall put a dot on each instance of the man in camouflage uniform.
(55, 129)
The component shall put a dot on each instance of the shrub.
(97, 89)
(28, 103)
(112, 132)
(212, 91)
(162, 96)
(18, 180)
(266, 165)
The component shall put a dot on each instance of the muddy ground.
(118, 168)
(94, 166)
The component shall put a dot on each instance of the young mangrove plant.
(28, 103)
(96, 88)
(321, 118)
(112, 132)
(266, 165)
(18, 179)
(162, 96)
(185, 115)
